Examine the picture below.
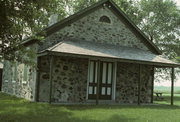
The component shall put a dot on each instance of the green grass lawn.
(13, 109)
(167, 99)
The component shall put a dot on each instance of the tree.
(160, 20)
(20, 18)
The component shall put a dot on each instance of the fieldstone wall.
(19, 87)
(127, 83)
(69, 80)
(44, 84)
(89, 28)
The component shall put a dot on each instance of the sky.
(168, 82)
(178, 2)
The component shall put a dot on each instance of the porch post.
(98, 81)
(152, 90)
(139, 85)
(172, 86)
(38, 78)
(50, 77)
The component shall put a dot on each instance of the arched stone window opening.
(105, 19)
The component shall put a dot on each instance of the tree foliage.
(161, 22)
(20, 18)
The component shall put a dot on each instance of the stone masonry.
(20, 88)
(69, 80)
(17, 86)
(89, 28)
(127, 83)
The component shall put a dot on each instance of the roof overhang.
(124, 54)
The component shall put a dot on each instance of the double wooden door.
(105, 78)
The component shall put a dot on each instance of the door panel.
(104, 72)
(93, 65)
(105, 83)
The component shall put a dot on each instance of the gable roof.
(57, 26)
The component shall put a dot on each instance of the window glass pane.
(109, 73)
(103, 91)
(14, 72)
(96, 68)
(94, 90)
(90, 90)
(25, 76)
(91, 72)
(108, 91)
(33, 75)
(104, 73)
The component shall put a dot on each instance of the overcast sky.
(178, 2)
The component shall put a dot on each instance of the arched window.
(105, 19)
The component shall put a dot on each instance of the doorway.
(106, 78)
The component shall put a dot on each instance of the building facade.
(95, 56)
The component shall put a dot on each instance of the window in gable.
(105, 19)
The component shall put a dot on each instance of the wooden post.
(172, 86)
(38, 78)
(139, 85)
(50, 77)
(98, 82)
(152, 90)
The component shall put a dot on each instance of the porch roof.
(85, 48)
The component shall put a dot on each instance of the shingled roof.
(61, 24)
(88, 49)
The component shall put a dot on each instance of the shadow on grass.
(110, 107)
(113, 118)
(16, 109)
(33, 112)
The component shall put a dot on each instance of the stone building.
(94, 56)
